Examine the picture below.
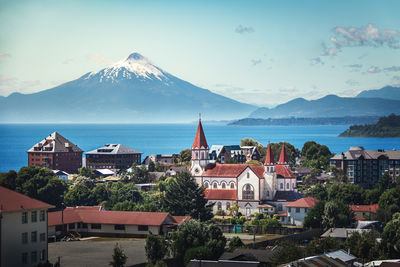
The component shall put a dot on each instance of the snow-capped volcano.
(135, 65)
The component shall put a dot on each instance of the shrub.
(235, 242)
(241, 220)
(198, 253)
(220, 213)
(232, 220)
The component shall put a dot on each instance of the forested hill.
(386, 127)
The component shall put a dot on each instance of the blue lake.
(16, 139)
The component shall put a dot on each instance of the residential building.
(163, 159)
(338, 258)
(57, 153)
(364, 212)
(365, 167)
(235, 153)
(247, 185)
(251, 153)
(343, 233)
(297, 210)
(61, 174)
(112, 156)
(95, 221)
(23, 229)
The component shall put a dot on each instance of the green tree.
(319, 192)
(118, 258)
(235, 243)
(121, 192)
(389, 203)
(152, 166)
(182, 196)
(79, 195)
(291, 151)
(321, 245)
(100, 193)
(251, 142)
(289, 252)
(87, 172)
(156, 248)
(348, 193)
(185, 156)
(363, 245)
(391, 237)
(8, 179)
(314, 217)
(337, 214)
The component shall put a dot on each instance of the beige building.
(23, 226)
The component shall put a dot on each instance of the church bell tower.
(200, 149)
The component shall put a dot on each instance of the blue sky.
(259, 52)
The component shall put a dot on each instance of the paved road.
(96, 253)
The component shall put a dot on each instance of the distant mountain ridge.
(330, 106)
(132, 90)
(387, 92)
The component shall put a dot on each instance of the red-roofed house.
(297, 210)
(363, 212)
(23, 226)
(248, 185)
(100, 222)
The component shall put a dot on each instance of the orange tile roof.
(232, 170)
(269, 159)
(284, 171)
(366, 208)
(283, 158)
(306, 202)
(13, 201)
(181, 219)
(200, 139)
(84, 208)
(107, 217)
(227, 194)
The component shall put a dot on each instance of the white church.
(255, 188)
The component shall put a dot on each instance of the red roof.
(366, 208)
(71, 215)
(200, 139)
(283, 157)
(281, 215)
(232, 170)
(227, 194)
(284, 171)
(181, 219)
(306, 202)
(13, 201)
(84, 208)
(269, 158)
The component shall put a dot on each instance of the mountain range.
(368, 103)
(133, 90)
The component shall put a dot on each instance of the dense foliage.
(315, 155)
(386, 127)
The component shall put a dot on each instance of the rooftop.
(227, 194)
(114, 149)
(306, 202)
(365, 208)
(356, 153)
(55, 142)
(13, 201)
(232, 170)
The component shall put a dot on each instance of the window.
(248, 175)
(43, 255)
(287, 186)
(119, 227)
(24, 237)
(24, 217)
(297, 210)
(228, 205)
(215, 185)
(305, 210)
(267, 193)
(281, 185)
(143, 227)
(219, 204)
(232, 185)
(34, 236)
(24, 258)
(84, 226)
(279, 207)
(223, 185)
(34, 216)
(206, 185)
(33, 256)
(248, 192)
(71, 226)
(289, 210)
(95, 226)
(42, 216)
(42, 237)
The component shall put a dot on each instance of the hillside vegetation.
(386, 127)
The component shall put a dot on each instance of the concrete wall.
(219, 181)
(12, 247)
(223, 205)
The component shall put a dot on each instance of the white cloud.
(392, 68)
(244, 29)
(396, 80)
(99, 59)
(10, 85)
(373, 69)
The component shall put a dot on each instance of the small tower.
(283, 159)
(199, 152)
(269, 164)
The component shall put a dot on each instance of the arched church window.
(215, 185)
(248, 191)
(228, 205)
(223, 185)
(202, 155)
(197, 155)
(248, 175)
(206, 185)
(219, 204)
(232, 185)
(287, 186)
(281, 185)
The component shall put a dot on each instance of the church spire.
(200, 139)
(269, 159)
(283, 159)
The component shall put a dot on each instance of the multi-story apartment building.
(365, 167)
(112, 156)
(57, 153)
(23, 229)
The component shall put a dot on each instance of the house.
(342, 233)
(365, 167)
(251, 153)
(57, 153)
(163, 159)
(95, 221)
(104, 172)
(112, 156)
(61, 174)
(247, 185)
(338, 258)
(297, 210)
(264, 256)
(223, 153)
(364, 212)
(23, 229)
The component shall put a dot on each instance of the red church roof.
(283, 157)
(13, 201)
(200, 139)
(306, 202)
(232, 170)
(227, 194)
(284, 171)
(365, 208)
(269, 160)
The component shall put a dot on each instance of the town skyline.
(263, 54)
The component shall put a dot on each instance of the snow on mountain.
(135, 65)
